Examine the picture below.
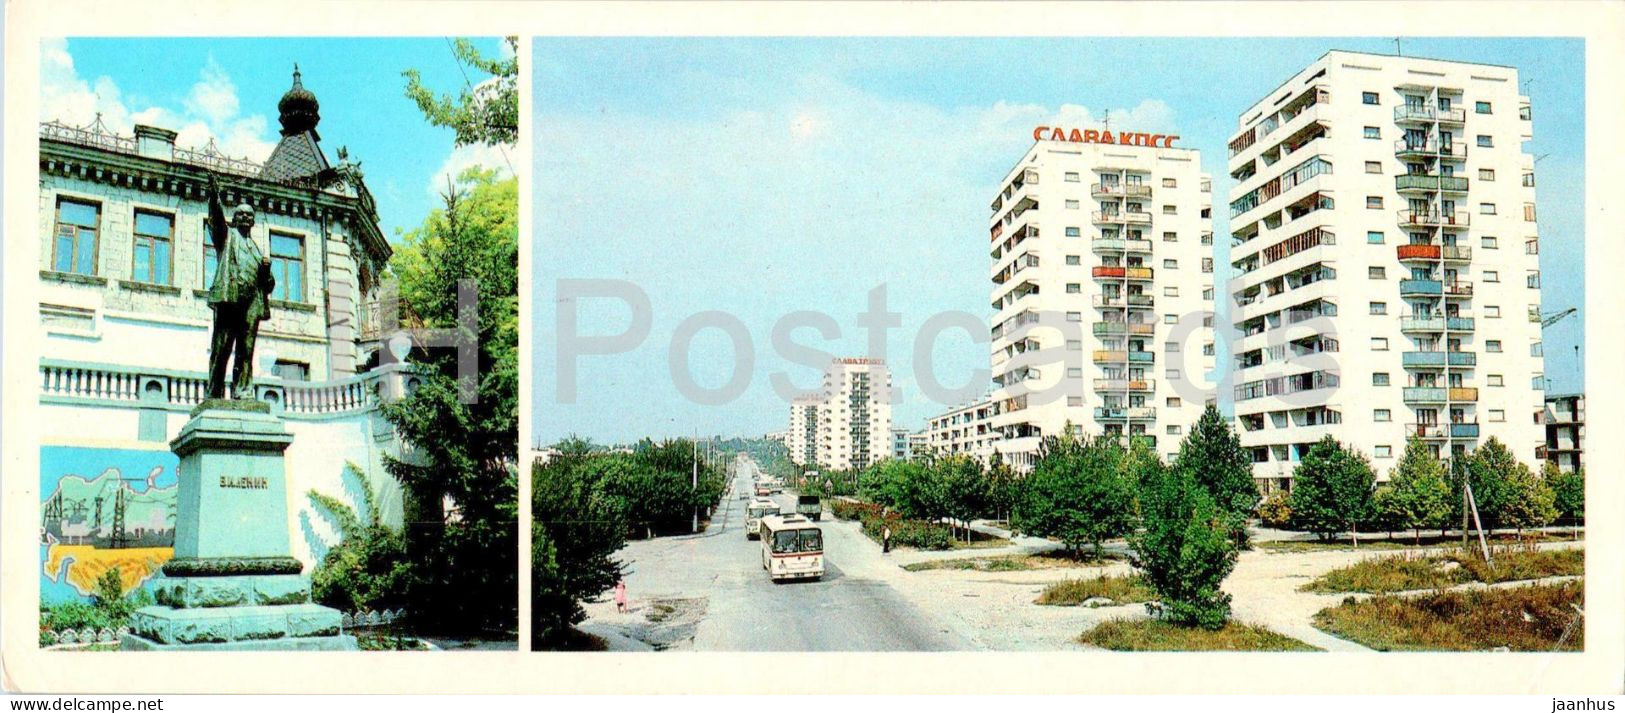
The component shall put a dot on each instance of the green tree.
(463, 562)
(576, 528)
(893, 483)
(1078, 492)
(1184, 548)
(368, 569)
(1569, 490)
(482, 113)
(1331, 489)
(964, 487)
(1212, 455)
(1004, 488)
(1420, 492)
(1529, 502)
(1488, 469)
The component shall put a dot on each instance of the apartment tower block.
(1102, 290)
(1398, 295)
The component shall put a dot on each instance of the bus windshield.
(793, 541)
(757, 513)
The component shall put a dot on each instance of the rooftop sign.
(1097, 136)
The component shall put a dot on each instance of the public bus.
(754, 512)
(792, 547)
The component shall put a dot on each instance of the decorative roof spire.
(300, 112)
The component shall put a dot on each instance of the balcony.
(1425, 219)
(1432, 253)
(1435, 324)
(1118, 413)
(1120, 217)
(1434, 288)
(1428, 115)
(1119, 301)
(1437, 395)
(1102, 190)
(1103, 329)
(1428, 183)
(1103, 246)
(1436, 360)
(1114, 385)
(1441, 431)
(1119, 356)
(1430, 147)
(1423, 395)
(1118, 271)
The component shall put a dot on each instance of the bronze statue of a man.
(240, 296)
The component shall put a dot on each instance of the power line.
(470, 85)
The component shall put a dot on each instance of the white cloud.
(210, 110)
(462, 158)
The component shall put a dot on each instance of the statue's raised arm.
(217, 218)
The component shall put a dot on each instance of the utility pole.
(694, 483)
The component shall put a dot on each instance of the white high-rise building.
(966, 430)
(801, 439)
(855, 418)
(848, 424)
(1399, 294)
(1102, 290)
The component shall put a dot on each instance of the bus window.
(812, 541)
(784, 542)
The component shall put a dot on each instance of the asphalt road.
(715, 582)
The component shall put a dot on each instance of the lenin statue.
(240, 296)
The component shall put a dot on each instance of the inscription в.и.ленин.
(247, 482)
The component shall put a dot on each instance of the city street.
(708, 592)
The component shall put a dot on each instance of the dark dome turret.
(300, 112)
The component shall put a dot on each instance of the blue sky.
(760, 176)
(228, 89)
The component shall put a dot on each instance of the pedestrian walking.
(885, 539)
(620, 596)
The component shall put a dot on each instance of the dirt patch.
(669, 623)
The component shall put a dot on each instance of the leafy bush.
(108, 608)
(368, 569)
(1213, 456)
(1185, 549)
(908, 533)
(1275, 511)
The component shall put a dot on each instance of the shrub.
(1213, 457)
(1275, 511)
(1184, 549)
(368, 569)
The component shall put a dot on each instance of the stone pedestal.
(233, 583)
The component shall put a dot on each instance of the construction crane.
(1551, 318)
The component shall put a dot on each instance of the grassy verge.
(1530, 618)
(1399, 542)
(1154, 635)
(1009, 563)
(1436, 571)
(978, 540)
(1120, 589)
